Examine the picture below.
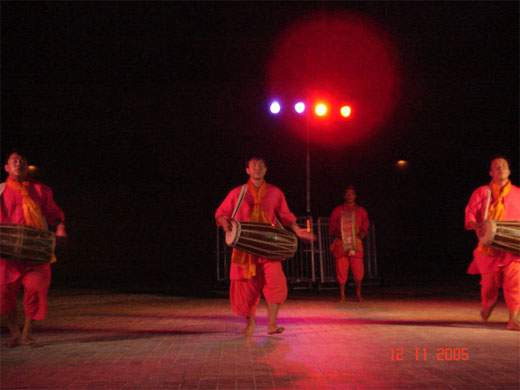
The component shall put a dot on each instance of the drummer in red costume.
(251, 276)
(349, 224)
(25, 202)
(496, 267)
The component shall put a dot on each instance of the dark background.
(139, 115)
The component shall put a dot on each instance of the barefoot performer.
(349, 224)
(26, 202)
(498, 201)
(251, 275)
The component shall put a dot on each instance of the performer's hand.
(306, 236)
(478, 228)
(224, 221)
(303, 234)
(61, 235)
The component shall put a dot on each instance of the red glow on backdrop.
(332, 59)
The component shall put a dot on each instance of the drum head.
(232, 234)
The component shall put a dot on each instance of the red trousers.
(343, 264)
(270, 280)
(509, 278)
(36, 284)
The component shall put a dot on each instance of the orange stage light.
(321, 109)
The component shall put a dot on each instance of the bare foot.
(486, 311)
(342, 300)
(513, 325)
(273, 329)
(248, 330)
(12, 342)
(27, 340)
(360, 298)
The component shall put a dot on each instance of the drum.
(262, 240)
(503, 235)
(26, 244)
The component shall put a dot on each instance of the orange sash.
(241, 258)
(32, 213)
(496, 211)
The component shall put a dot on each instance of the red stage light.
(345, 111)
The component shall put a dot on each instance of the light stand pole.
(308, 165)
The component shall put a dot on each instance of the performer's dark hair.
(499, 155)
(12, 151)
(255, 156)
(349, 187)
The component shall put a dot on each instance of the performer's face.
(350, 196)
(499, 171)
(256, 169)
(17, 167)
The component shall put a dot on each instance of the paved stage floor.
(104, 340)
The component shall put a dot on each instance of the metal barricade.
(327, 266)
(326, 259)
(300, 270)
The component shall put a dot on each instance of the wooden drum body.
(503, 235)
(262, 240)
(26, 244)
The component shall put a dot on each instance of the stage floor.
(101, 340)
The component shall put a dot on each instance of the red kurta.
(245, 293)
(35, 278)
(483, 264)
(502, 268)
(343, 260)
(273, 204)
(362, 223)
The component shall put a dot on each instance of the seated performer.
(250, 275)
(349, 224)
(496, 267)
(25, 202)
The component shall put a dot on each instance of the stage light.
(402, 163)
(275, 107)
(321, 109)
(345, 111)
(299, 107)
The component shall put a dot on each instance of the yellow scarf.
(496, 210)
(241, 258)
(32, 213)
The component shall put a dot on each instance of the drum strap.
(488, 199)
(348, 231)
(2, 187)
(239, 201)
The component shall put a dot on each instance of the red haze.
(338, 59)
